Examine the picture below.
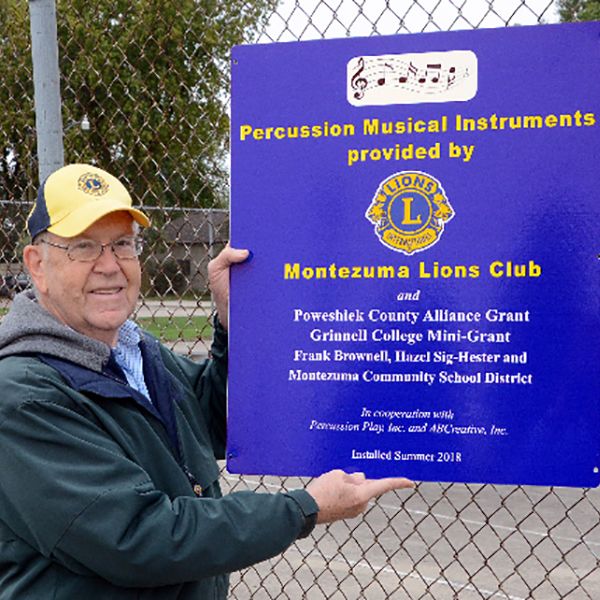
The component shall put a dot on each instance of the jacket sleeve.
(67, 489)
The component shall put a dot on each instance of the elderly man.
(108, 483)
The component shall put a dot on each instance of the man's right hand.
(218, 279)
(341, 495)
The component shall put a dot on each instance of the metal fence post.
(46, 82)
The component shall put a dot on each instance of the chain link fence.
(145, 95)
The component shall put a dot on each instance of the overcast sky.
(313, 19)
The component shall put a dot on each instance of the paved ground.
(442, 542)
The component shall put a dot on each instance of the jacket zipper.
(177, 452)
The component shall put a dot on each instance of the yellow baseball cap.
(75, 197)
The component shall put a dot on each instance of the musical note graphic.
(359, 83)
(451, 76)
(381, 80)
(435, 70)
(412, 78)
(411, 71)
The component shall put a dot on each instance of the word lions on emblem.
(409, 211)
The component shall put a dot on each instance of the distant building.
(194, 239)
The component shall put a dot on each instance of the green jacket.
(104, 496)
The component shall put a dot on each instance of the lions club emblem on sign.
(93, 184)
(409, 211)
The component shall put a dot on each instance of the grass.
(172, 329)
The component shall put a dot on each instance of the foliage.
(579, 10)
(12, 230)
(17, 133)
(150, 77)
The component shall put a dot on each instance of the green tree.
(17, 120)
(18, 165)
(151, 77)
(579, 10)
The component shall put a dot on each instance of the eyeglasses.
(124, 248)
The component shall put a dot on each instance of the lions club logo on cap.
(93, 184)
(409, 211)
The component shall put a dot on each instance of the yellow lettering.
(245, 131)
(408, 220)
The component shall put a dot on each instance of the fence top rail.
(29, 203)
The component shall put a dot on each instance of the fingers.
(374, 488)
(356, 478)
(235, 255)
(218, 278)
(341, 495)
(228, 256)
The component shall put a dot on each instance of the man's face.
(94, 298)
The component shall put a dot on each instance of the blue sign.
(424, 217)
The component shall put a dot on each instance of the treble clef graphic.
(357, 82)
